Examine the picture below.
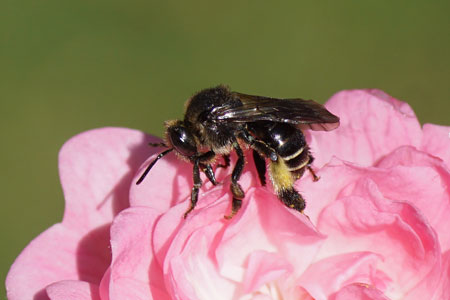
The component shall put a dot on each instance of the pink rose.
(377, 225)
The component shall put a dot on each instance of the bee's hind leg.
(236, 189)
(258, 145)
(310, 169)
(260, 164)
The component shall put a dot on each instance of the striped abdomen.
(290, 144)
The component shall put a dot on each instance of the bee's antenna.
(152, 164)
(158, 145)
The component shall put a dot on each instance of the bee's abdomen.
(299, 161)
(290, 144)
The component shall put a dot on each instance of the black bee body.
(218, 137)
(294, 157)
(217, 121)
(288, 141)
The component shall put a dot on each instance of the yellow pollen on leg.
(280, 175)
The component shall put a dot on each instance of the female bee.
(218, 120)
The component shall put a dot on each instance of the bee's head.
(180, 139)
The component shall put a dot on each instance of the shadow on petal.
(93, 254)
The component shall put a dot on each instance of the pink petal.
(73, 290)
(333, 178)
(58, 253)
(327, 276)
(443, 287)
(104, 285)
(133, 273)
(262, 297)
(216, 201)
(96, 168)
(264, 267)
(168, 183)
(362, 218)
(436, 141)
(422, 180)
(372, 125)
(192, 244)
(359, 292)
(266, 224)
(193, 275)
(172, 230)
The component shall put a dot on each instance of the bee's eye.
(181, 140)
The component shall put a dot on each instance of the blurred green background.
(69, 66)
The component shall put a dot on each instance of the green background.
(69, 66)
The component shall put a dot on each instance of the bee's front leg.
(205, 166)
(195, 188)
(198, 161)
(207, 169)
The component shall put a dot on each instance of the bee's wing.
(305, 114)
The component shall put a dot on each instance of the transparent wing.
(305, 114)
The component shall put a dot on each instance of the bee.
(218, 121)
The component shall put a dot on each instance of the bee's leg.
(226, 158)
(258, 145)
(283, 184)
(207, 169)
(196, 187)
(310, 169)
(197, 163)
(236, 189)
(260, 164)
(314, 175)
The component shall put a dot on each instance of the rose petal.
(54, 255)
(96, 168)
(193, 275)
(266, 224)
(169, 179)
(172, 223)
(172, 229)
(436, 141)
(73, 290)
(333, 178)
(329, 275)
(132, 257)
(104, 285)
(443, 288)
(372, 125)
(421, 179)
(359, 292)
(262, 297)
(264, 267)
(410, 248)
